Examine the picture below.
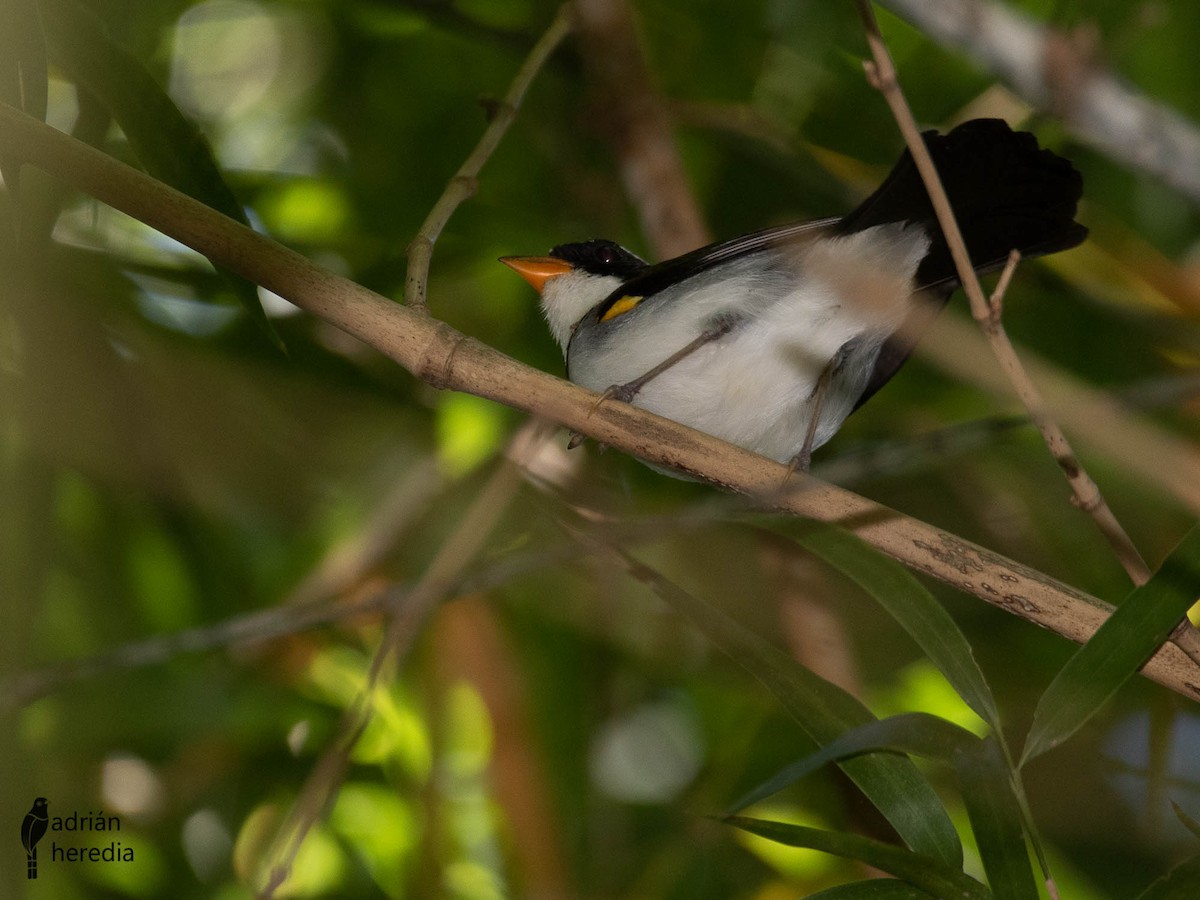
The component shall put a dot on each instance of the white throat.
(567, 298)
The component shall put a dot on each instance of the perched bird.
(32, 828)
(770, 340)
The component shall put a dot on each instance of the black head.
(600, 257)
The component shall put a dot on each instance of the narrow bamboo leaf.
(1188, 822)
(170, 147)
(875, 889)
(917, 733)
(1118, 649)
(911, 605)
(1181, 883)
(995, 813)
(930, 875)
(824, 711)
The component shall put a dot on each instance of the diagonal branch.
(882, 74)
(446, 358)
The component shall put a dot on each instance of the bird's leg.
(803, 459)
(720, 325)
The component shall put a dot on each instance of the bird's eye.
(608, 256)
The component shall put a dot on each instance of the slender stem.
(882, 74)
(462, 185)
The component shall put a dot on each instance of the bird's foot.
(577, 439)
(623, 392)
(798, 463)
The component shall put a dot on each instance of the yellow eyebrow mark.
(624, 305)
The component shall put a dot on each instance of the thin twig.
(881, 72)
(444, 572)
(365, 605)
(464, 182)
(996, 300)
(445, 358)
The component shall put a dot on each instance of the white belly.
(755, 386)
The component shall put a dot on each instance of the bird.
(770, 340)
(32, 828)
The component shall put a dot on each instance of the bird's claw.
(800, 462)
(623, 392)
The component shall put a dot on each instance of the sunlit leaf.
(469, 430)
(825, 712)
(1129, 637)
(917, 733)
(984, 778)
(929, 874)
(383, 827)
(911, 605)
(990, 796)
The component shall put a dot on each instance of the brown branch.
(636, 116)
(443, 357)
(463, 184)
(882, 74)
(471, 646)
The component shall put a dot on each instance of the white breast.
(797, 308)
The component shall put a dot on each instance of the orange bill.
(537, 269)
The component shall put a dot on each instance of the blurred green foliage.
(556, 728)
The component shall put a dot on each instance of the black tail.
(1006, 193)
(1005, 190)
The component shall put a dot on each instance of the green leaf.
(1181, 883)
(1130, 636)
(918, 733)
(875, 889)
(990, 796)
(1188, 822)
(915, 609)
(930, 875)
(170, 147)
(825, 712)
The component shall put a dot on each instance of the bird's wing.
(655, 278)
